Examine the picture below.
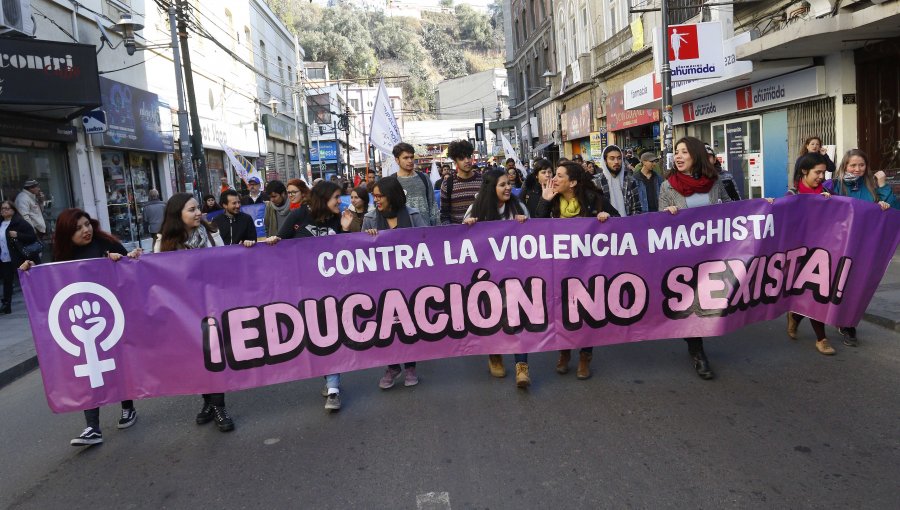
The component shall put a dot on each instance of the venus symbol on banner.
(89, 320)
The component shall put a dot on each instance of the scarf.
(569, 208)
(403, 219)
(687, 185)
(296, 206)
(199, 238)
(803, 189)
(616, 194)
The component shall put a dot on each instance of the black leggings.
(8, 273)
(817, 326)
(92, 416)
(216, 399)
(396, 368)
(695, 344)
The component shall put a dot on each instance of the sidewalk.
(17, 356)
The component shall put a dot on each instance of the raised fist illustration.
(89, 313)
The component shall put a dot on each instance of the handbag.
(33, 251)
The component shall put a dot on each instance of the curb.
(18, 370)
(884, 322)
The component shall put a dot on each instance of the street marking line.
(433, 501)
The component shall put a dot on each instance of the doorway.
(738, 146)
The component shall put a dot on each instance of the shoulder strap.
(429, 197)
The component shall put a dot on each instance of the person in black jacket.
(572, 194)
(234, 226)
(78, 237)
(533, 186)
(15, 232)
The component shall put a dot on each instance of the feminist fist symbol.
(87, 326)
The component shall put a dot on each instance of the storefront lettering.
(705, 109)
(769, 93)
(696, 69)
(45, 63)
(639, 92)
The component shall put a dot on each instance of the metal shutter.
(812, 118)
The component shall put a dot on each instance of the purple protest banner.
(170, 324)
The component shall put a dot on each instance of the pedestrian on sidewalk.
(184, 228)
(391, 212)
(458, 190)
(572, 194)
(28, 202)
(809, 176)
(153, 214)
(320, 216)
(15, 233)
(856, 179)
(495, 201)
(694, 182)
(78, 237)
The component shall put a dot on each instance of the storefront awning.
(816, 37)
(48, 79)
(543, 146)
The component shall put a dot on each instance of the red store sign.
(618, 118)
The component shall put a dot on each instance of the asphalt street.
(781, 427)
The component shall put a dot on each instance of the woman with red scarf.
(693, 183)
(809, 176)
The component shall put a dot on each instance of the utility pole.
(184, 137)
(526, 151)
(197, 138)
(484, 153)
(347, 124)
(666, 75)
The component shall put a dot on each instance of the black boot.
(701, 365)
(223, 421)
(206, 413)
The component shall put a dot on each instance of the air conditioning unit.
(15, 17)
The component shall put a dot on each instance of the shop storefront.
(281, 142)
(576, 130)
(134, 155)
(636, 129)
(878, 98)
(43, 85)
(749, 126)
(244, 141)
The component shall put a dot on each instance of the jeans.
(396, 368)
(92, 416)
(333, 381)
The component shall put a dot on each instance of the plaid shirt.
(629, 188)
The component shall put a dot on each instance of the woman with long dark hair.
(210, 204)
(532, 189)
(359, 206)
(319, 216)
(15, 233)
(184, 228)
(78, 237)
(809, 174)
(573, 194)
(694, 182)
(495, 201)
(813, 145)
(390, 213)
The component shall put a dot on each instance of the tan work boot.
(825, 347)
(792, 325)
(584, 365)
(562, 366)
(495, 363)
(522, 379)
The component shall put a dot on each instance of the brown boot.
(792, 325)
(562, 366)
(584, 365)
(522, 379)
(495, 363)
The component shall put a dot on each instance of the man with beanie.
(28, 204)
(648, 182)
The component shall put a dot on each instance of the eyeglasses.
(292, 192)
(376, 196)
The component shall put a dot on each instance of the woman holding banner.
(78, 237)
(572, 194)
(391, 212)
(855, 179)
(319, 216)
(809, 174)
(184, 228)
(495, 201)
(694, 182)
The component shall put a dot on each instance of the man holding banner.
(235, 227)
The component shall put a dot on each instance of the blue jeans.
(333, 381)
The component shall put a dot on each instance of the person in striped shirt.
(458, 190)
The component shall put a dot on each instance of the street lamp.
(127, 26)
(273, 105)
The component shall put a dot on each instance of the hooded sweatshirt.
(621, 190)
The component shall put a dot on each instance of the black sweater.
(235, 229)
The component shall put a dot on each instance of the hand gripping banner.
(230, 318)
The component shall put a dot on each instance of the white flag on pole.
(435, 172)
(384, 132)
(511, 153)
(242, 166)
